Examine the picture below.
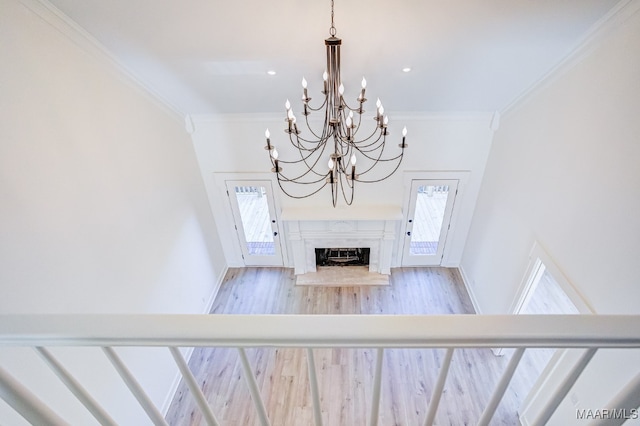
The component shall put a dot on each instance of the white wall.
(102, 207)
(563, 170)
(437, 142)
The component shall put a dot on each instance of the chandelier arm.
(352, 187)
(351, 183)
(383, 178)
(376, 131)
(375, 156)
(320, 141)
(283, 178)
(355, 130)
(345, 177)
(296, 161)
(358, 144)
(379, 159)
(374, 164)
(353, 140)
(320, 107)
(376, 144)
(324, 130)
(315, 163)
(349, 201)
(299, 146)
(343, 148)
(299, 197)
(344, 141)
(342, 163)
(380, 145)
(311, 152)
(310, 168)
(397, 157)
(347, 106)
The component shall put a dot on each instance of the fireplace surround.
(375, 229)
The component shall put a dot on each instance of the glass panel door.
(255, 222)
(429, 213)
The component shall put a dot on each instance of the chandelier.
(329, 155)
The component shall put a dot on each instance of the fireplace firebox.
(342, 256)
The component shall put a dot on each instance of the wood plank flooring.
(345, 376)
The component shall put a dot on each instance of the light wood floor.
(345, 375)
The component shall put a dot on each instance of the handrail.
(591, 332)
(358, 331)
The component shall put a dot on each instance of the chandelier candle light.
(336, 141)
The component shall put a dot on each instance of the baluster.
(194, 387)
(134, 387)
(313, 384)
(488, 413)
(26, 403)
(253, 388)
(437, 391)
(564, 387)
(377, 385)
(75, 387)
(627, 399)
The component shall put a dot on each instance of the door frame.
(276, 259)
(408, 177)
(435, 259)
(228, 221)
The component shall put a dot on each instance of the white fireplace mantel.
(374, 227)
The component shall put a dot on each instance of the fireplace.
(368, 234)
(342, 256)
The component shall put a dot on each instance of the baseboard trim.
(467, 286)
(187, 352)
(474, 302)
(216, 290)
(174, 385)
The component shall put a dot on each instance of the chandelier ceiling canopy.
(327, 155)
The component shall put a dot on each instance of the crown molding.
(598, 32)
(81, 38)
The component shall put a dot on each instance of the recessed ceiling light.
(271, 72)
(406, 69)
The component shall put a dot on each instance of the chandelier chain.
(332, 30)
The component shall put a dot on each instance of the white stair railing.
(589, 332)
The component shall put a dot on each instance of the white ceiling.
(209, 56)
